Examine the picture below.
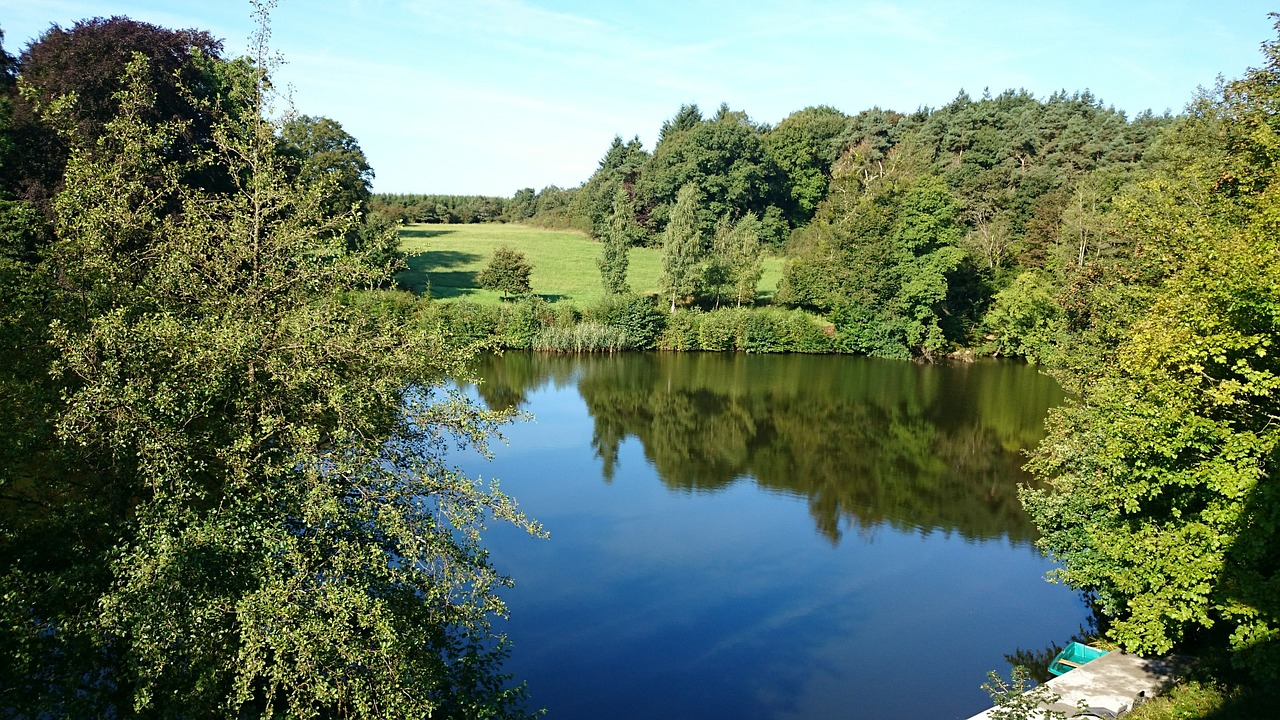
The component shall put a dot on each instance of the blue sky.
(489, 96)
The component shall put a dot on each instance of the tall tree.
(619, 235)
(804, 146)
(242, 507)
(724, 157)
(79, 70)
(1164, 502)
(683, 247)
(746, 254)
(620, 165)
(329, 158)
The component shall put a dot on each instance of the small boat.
(1073, 656)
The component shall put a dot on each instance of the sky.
(491, 96)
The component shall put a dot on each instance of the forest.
(957, 228)
(223, 487)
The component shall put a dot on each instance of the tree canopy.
(507, 273)
(223, 489)
(1163, 502)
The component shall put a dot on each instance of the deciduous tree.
(242, 506)
(507, 273)
(683, 247)
(1163, 500)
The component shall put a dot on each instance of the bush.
(680, 332)
(801, 333)
(861, 330)
(466, 322)
(522, 321)
(718, 331)
(1023, 320)
(758, 333)
(636, 315)
(748, 330)
(564, 315)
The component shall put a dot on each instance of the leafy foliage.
(723, 157)
(1014, 700)
(233, 500)
(78, 71)
(683, 248)
(1164, 504)
(325, 153)
(507, 272)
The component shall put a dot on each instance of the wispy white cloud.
(491, 93)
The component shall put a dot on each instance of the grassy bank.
(1198, 701)
(447, 258)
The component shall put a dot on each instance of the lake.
(743, 536)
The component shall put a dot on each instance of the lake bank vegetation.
(961, 228)
(222, 488)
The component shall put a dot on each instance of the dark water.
(770, 536)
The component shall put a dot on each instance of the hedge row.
(631, 322)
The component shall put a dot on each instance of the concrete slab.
(1112, 682)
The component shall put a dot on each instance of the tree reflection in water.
(864, 441)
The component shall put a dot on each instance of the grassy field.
(448, 257)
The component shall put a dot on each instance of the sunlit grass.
(448, 257)
(1197, 701)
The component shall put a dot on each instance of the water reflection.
(866, 442)
(684, 577)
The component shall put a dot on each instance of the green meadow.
(447, 258)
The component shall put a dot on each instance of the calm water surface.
(770, 536)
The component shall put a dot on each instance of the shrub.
(680, 332)
(466, 322)
(507, 272)
(637, 315)
(758, 333)
(861, 330)
(801, 332)
(718, 331)
(522, 321)
(1022, 319)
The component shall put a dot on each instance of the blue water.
(652, 599)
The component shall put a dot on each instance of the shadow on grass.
(421, 233)
(453, 284)
(432, 269)
(1246, 704)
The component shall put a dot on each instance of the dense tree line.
(914, 234)
(222, 491)
(463, 209)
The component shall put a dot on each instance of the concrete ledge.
(1112, 682)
